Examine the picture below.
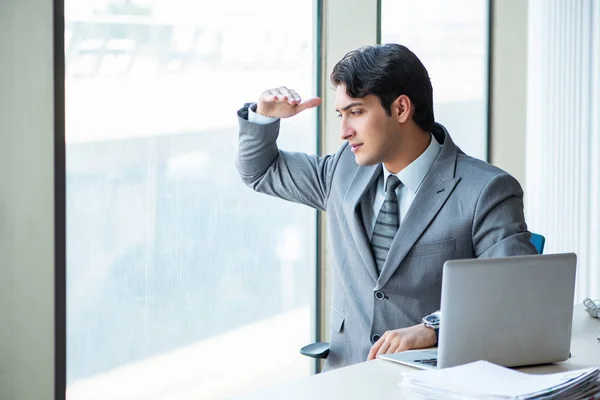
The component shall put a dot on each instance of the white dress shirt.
(411, 179)
(259, 118)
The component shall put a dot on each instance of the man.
(401, 199)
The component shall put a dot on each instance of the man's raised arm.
(296, 177)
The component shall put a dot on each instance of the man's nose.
(347, 132)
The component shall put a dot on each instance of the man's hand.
(398, 340)
(283, 103)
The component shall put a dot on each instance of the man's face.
(372, 133)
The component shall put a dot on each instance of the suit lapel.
(435, 190)
(363, 180)
(424, 208)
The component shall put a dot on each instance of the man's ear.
(402, 109)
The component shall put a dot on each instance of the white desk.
(379, 379)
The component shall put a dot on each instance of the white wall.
(509, 87)
(563, 132)
(26, 201)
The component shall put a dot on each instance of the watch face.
(432, 319)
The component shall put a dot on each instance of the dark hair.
(387, 71)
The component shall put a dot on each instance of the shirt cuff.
(259, 119)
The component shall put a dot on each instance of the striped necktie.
(387, 223)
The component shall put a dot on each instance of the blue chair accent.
(538, 241)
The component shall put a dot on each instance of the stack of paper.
(484, 380)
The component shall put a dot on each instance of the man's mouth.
(355, 147)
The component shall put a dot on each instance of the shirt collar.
(413, 174)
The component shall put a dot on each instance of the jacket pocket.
(336, 320)
(427, 249)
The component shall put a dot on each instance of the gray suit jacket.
(465, 208)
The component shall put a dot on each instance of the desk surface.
(379, 378)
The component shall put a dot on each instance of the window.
(179, 278)
(451, 39)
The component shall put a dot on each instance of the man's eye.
(356, 112)
(339, 115)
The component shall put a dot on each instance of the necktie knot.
(392, 183)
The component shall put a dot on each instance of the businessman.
(401, 199)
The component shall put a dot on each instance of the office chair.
(320, 350)
(538, 241)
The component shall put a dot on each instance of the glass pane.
(450, 38)
(182, 282)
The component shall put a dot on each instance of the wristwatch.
(433, 320)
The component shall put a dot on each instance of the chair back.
(538, 241)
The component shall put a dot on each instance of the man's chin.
(364, 161)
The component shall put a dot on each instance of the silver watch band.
(433, 320)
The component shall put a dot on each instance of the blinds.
(562, 192)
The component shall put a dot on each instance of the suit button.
(375, 338)
(379, 295)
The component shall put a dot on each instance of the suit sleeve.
(297, 177)
(499, 228)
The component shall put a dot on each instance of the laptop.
(511, 311)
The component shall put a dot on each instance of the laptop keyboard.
(429, 361)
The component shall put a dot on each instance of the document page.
(482, 378)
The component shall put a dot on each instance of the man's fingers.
(396, 347)
(310, 103)
(282, 95)
(384, 348)
(399, 340)
(282, 102)
(289, 95)
(272, 95)
(375, 348)
(393, 341)
(295, 96)
(268, 93)
(372, 354)
(279, 95)
(407, 344)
